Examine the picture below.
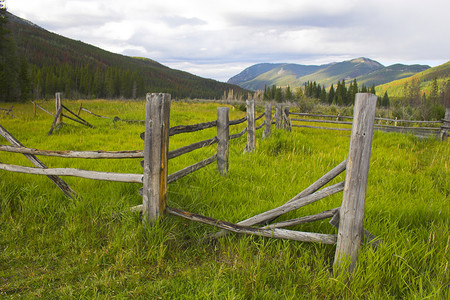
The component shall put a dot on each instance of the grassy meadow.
(94, 247)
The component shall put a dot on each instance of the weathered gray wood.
(259, 117)
(286, 121)
(238, 135)
(445, 123)
(108, 176)
(367, 237)
(267, 119)
(322, 121)
(278, 116)
(78, 117)
(191, 128)
(308, 219)
(79, 110)
(270, 233)
(223, 134)
(330, 175)
(43, 109)
(238, 121)
(251, 131)
(318, 127)
(88, 111)
(188, 170)
(56, 180)
(58, 106)
(76, 154)
(260, 126)
(320, 116)
(192, 147)
(75, 120)
(55, 121)
(357, 171)
(156, 146)
(293, 205)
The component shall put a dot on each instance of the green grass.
(94, 247)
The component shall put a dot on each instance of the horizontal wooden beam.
(75, 154)
(188, 170)
(270, 233)
(107, 176)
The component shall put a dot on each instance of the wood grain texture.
(357, 171)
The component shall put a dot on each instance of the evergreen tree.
(434, 93)
(288, 94)
(385, 101)
(331, 95)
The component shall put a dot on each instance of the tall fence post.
(445, 124)
(278, 116)
(156, 147)
(58, 107)
(251, 128)
(267, 119)
(354, 196)
(223, 134)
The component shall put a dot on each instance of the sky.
(218, 39)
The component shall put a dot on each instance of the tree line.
(342, 95)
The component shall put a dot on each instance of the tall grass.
(94, 247)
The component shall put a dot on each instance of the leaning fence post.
(223, 134)
(278, 116)
(445, 125)
(251, 128)
(156, 146)
(267, 119)
(354, 196)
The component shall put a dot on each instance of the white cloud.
(216, 38)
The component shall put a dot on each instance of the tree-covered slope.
(425, 78)
(81, 70)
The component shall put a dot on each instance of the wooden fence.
(438, 129)
(155, 178)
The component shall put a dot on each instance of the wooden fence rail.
(420, 131)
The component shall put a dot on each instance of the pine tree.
(331, 95)
(385, 101)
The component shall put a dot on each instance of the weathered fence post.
(445, 125)
(251, 128)
(278, 116)
(287, 123)
(354, 196)
(267, 119)
(156, 146)
(58, 107)
(79, 110)
(223, 134)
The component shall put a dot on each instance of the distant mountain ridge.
(365, 70)
(80, 70)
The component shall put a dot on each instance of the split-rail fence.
(155, 178)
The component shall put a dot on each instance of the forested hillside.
(80, 70)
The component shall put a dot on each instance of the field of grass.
(95, 247)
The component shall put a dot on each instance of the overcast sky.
(218, 39)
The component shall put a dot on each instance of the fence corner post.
(357, 171)
(445, 124)
(267, 119)
(156, 147)
(251, 128)
(223, 135)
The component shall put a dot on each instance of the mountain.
(365, 70)
(425, 78)
(80, 70)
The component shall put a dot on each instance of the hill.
(425, 78)
(365, 70)
(80, 70)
